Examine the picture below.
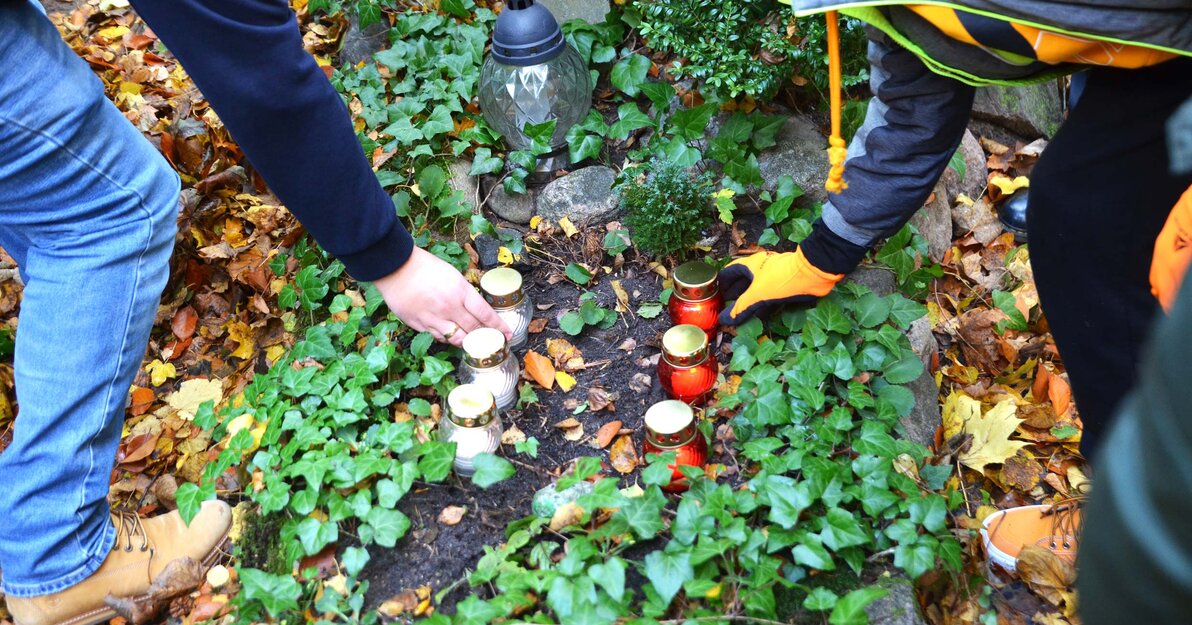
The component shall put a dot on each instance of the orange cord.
(837, 150)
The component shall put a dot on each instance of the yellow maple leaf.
(569, 228)
(1008, 186)
(275, 353)
(958, 408)
(504, 256)
(991, 436)
(534, 221)
(241, 333)
(565, 380)
(159, 372)
(192, 393)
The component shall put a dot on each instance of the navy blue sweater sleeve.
(247, 58)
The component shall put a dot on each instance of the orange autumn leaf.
(541, 369)
(184, 322)
(1042, 376)
(142, 398)
(1059, 393)
(605, 434)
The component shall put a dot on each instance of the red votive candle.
(696, 299)
(670, 426)
(685, 370)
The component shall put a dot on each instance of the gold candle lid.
(695, 281)
(685, 345)
(484, 348)
(670, 424)
(502, 287)
(471, 406)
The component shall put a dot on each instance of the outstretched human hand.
(430, 295)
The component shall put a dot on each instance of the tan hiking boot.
(143, 549)
(1053, 527)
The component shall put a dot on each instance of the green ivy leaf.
(435, 463)
(277, 593)
(649, 310)
(387, 526)
(190, 498)
(315, 534)
(820, 599)
(483, 162)
(906, 369)
(629, 73)
(659, 93)
(629, 118)
(850, 609)
(667, 572)
(491, 469)
(353, 560)
(691, 124)
(610, 576)
(578, 274)
(871, 310)
(572, 322)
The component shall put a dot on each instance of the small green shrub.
(668, 210)
(743, 47)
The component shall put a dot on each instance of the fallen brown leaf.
(600, 399)
(513, 436)
(184, 322)
(1048, 576)
(395, 606)
(605, 434)
(572, 429)
(622, 455)
(538, 325)
(179, 577)
(566, 356)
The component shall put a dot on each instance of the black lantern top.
(526, 34)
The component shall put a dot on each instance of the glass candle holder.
(487, 363)
(685, 370)
(472, 423)
(696, 299)
(670, 426)
(502, 289)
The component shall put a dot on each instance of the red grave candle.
(670, 426)
(685, 370)
(696, 299)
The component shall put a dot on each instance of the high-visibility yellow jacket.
(1011, 42)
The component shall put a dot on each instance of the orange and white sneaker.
(1054, 527)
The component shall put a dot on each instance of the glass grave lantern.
(532, 77)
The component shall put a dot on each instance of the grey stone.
(488, 247)
(517, 209)
(360, 44)
(878, 279)
(922, 340)
(799, 153)
(466, 184)
(934, 222)
(1032, 111)
(974, 180)
(920, 425)
(591, 11)
(899, 606)
(979, 219)
(585, 196)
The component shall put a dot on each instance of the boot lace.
(1065, 522)
(130, 530)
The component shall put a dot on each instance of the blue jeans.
(88, 209)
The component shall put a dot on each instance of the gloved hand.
(767, 280)
(1173, 252)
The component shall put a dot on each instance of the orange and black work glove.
(768, 280)
(1173, 252)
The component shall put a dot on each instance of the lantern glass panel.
(513, 96)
